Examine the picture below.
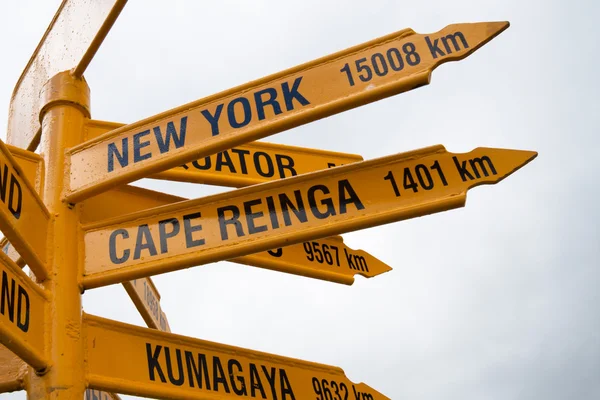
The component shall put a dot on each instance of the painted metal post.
(65, 105)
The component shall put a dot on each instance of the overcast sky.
(497, 300)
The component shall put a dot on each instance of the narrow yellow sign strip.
(22, 314)
(371, 71)
(146, 298)
(12, 371)
(293, 210)
(328, 259)
(244, 165)
(145, 362)
(24, 218)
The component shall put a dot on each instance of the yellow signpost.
(24, 219)
(70, 223)
(22, 313)
(145, 362)
(362, 74)
(289, 211)
(244, 165)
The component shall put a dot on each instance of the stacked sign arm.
(146, 362)
(283, 224)
(328, 259)
(24, 219)
(288, 211)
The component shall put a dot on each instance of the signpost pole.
(65, 102)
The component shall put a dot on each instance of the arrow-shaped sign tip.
(496, 27)
(496, 164)
(489, 29)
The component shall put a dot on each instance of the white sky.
(498, 300)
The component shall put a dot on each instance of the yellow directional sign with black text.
(24, 218)
(32, 166)
(244, 165)
(146, 298)
(293, 210)
(328, 258)
(362, 74)
(145, 362)
(22, 314)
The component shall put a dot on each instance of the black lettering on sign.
(329, 390)
(451, 39)
(223, 159)
(242, 157)
(379, 65)
(276, 253)
(421, 172)
(202, 167)
(262, 163)
(145, 242)
(358, 263)
(361, 395)
(240, 110)
(322, 253)
(121, 153)
(11, 193)
(293, 209)
(151, 301)
(265, 168)
(285, 163)
(220, 375)
(480, 166)
(9, 290)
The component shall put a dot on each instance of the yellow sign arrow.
(328, 259)
(244, 165)
(22, 314)
(362, 74)
(145, 362)
(293, 210)
(24, 218)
